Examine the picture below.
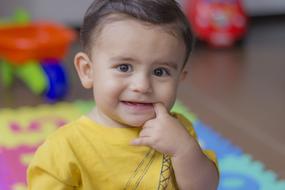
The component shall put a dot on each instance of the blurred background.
(236, 87)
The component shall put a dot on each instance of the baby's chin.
(136, 122)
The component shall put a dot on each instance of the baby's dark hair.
(157, 12)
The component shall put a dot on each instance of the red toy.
(218, 22)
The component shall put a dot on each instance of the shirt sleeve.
(52, 168)
(41, 179)
(188, 125)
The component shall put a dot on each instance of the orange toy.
(34, 41)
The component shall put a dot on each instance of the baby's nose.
(141, 84)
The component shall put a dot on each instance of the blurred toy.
(218, 22)
(32, 52)
(20, 16)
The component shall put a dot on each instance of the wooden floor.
(240, 92)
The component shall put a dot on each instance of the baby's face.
(133, 67)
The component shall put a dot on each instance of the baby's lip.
(138, 102)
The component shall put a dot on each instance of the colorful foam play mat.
(23, 130)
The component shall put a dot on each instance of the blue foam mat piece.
(209, 139)
(238, 171)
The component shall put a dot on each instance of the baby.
(134, 56)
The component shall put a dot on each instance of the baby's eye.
(159, 72)
(124, 68)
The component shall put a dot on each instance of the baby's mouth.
(139, 104)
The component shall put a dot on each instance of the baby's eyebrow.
(123, 58)
(170, 64)
(131, 59)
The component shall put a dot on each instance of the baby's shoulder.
(65, 132)
(181, 118)
(185, 122)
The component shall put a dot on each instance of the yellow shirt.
(89, 156)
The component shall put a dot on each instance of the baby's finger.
(145, 132)
(159, 109)
(141, 141)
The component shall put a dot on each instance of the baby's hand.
(164, 133)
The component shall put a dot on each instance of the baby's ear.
(83, 67)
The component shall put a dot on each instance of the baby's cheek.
(108, 89)
(167, 97)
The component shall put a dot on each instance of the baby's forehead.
(125, 36)
(118, 18)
